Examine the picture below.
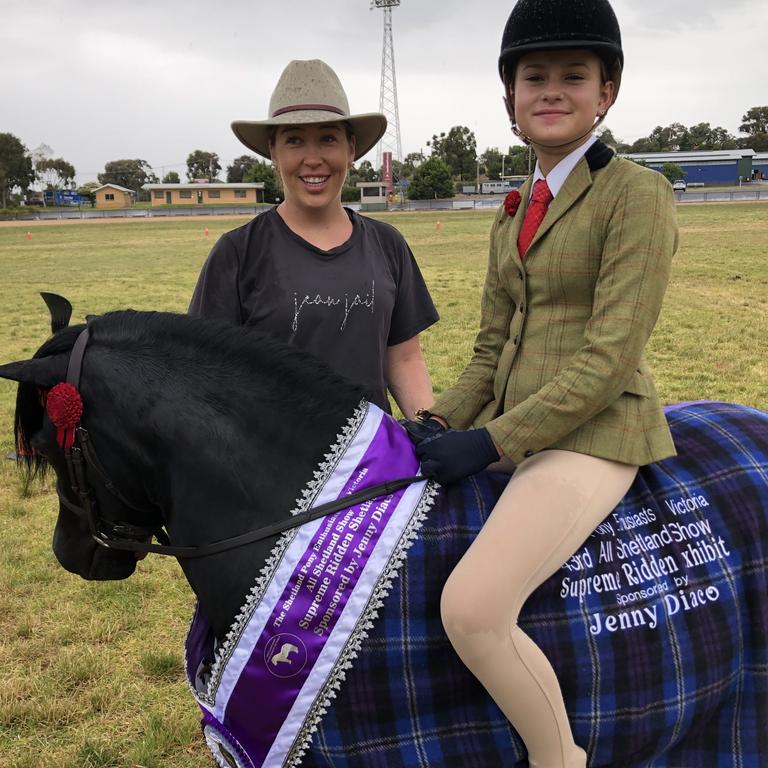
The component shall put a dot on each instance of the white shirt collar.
(557, 176)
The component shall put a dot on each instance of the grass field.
(92, 673)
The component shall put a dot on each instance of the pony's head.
(39, 449)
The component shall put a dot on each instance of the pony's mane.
(205, 346)
(212, 345)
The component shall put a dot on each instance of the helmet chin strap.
(528, 140)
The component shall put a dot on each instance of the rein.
(81, 457)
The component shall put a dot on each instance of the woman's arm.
(407, 377)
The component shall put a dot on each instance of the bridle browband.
(81, 458)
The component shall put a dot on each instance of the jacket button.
(519, 274)
(528, 454)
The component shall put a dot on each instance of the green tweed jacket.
(559, 360)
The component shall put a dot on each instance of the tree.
(679, 137)
(41, 152)
(513, 163)
(263, 171)
(432, 179)
(171, 178)
(458, 150)
(755, 121)
(676, 137)
(131, 174)
(668, 139)
(672, 171)
(519, 161)
(606, 135)
(86, 191)
(643, 145)
(203, 165)
(721, 139)
(362, 172)
(55, 173)
(240, 165)
(15, 166)
(412, 161)
(664, 139)
(755, 125)
(757, 141)
(491, 161)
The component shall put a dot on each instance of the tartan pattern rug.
(659, 637)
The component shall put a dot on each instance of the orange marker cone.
(206, 231)
(29, 235)
(437, 225)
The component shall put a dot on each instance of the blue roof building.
(707, 168)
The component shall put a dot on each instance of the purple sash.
(308, 613)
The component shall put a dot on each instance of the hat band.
(309, 107)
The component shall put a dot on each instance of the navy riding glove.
(419, 431)
(454, 455)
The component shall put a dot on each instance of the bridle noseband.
(81, 459)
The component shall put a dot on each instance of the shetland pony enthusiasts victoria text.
(657, 626)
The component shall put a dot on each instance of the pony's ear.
(45, 372)
(60, 309)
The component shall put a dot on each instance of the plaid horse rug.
(657, 627)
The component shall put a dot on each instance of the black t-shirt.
(345, 306)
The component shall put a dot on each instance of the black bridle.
(81, 459)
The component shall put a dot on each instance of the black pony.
(206, 417)
(657, 626)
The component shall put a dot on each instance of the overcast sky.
(156, 79)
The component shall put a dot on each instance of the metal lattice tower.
(390, 141)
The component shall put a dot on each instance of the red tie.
(537, 210)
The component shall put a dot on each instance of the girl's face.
(557, 95)
(312, 161)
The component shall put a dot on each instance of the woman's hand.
(452, 455)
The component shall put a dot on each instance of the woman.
(558, 385)
(311, 272)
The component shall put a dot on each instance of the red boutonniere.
(512, 202)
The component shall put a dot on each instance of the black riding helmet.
(546, 25)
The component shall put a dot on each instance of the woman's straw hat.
(310, 92)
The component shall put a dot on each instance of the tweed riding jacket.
(559, 359)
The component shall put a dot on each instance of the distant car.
(679, 186)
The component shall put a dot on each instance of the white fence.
(485, 202)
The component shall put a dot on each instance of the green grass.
(92, 673)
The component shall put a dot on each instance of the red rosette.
(65, 409)
(512, 202)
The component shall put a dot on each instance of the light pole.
(388, 91)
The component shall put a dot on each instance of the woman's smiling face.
(312, 161)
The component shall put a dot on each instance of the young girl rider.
(558, 383)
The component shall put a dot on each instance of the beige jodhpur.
(552, 503)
